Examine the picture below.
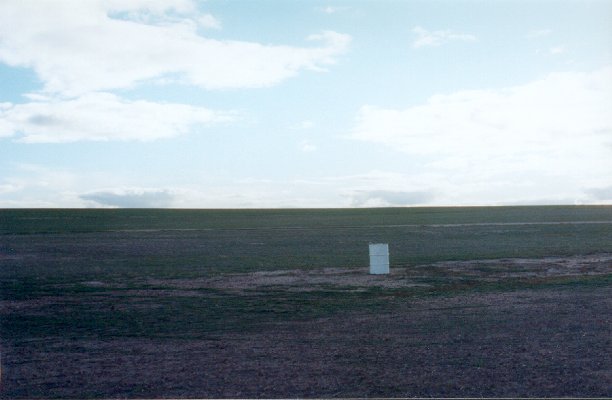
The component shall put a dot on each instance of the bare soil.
(400, 277)
(546, 342)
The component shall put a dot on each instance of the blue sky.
(228, 104)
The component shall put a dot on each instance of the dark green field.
(225, 303)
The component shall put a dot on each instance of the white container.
(379, 258)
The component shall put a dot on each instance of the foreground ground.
(237, 310)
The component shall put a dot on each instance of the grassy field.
(74, 282)
(102, 220)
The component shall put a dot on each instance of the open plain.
(500, 301)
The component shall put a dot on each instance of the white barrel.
(379, 258)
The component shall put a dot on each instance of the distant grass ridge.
(31, 221)
(55, 244)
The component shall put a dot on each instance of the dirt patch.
(400, 277)
(291, 280)
(306, 280)
(339, 279)
(593, 264)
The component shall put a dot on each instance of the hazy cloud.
(387, 198)
(77, 47)
(603, 193)
(10, 187)
(557, 50)
(332, 9)
(426, 38)
(307, 147)
(536, 33)
(131, 198)
(307, 124)
(36, 185)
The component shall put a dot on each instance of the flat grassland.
(481, 301)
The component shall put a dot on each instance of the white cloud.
(306, 124)
(332, 9)
(537, 33)
(328, 9)
(307, 147)
(208, 21)
(101, 117)
(557, 50)
(77, 47)
(436, 38)
(548, 138)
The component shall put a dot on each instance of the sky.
(259, 104)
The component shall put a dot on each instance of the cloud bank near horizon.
(550, 136)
